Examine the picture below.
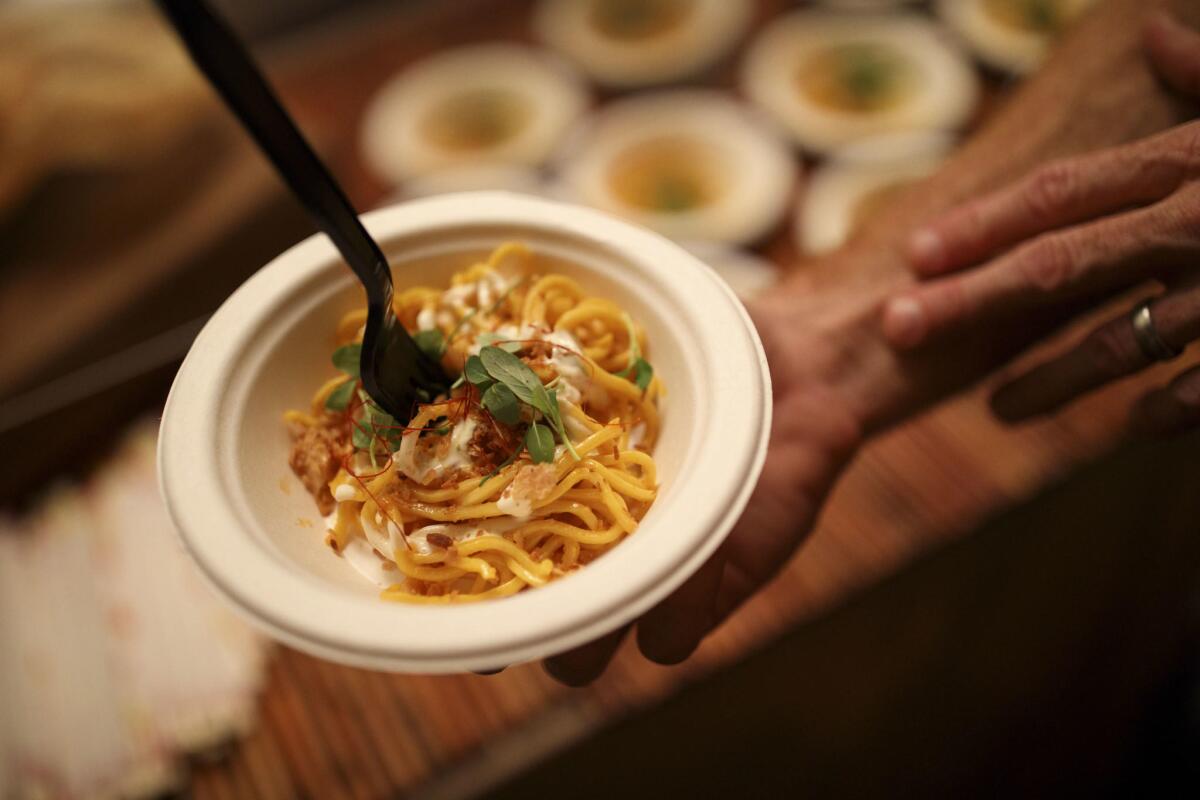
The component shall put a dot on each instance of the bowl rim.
(197, 459)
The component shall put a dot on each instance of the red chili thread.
(362, 485)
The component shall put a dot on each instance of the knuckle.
(1190, 145)
(1108, 352)
(1171, 228)
(966, 223)
(1189, 198)
(948, 303)
(1178, 225)
(844, 435)
(1051, 187)
(1048, 263)
(1176, 151)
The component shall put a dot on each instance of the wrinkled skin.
(1080, 228)
(815, 345)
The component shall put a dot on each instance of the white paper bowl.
(257, 535)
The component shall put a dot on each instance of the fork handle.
(221, 57)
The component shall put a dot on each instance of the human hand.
(1078, 230)
(814, 432)
(835, 381)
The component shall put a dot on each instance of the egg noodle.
(459, 505)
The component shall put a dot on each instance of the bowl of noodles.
(605, 427)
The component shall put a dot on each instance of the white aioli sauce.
(570, 367)
(518, 507)
(459, 532)
(446, 454)
(637, 435)
(361, 556)
(532, 483)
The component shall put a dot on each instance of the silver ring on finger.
(1149, 340)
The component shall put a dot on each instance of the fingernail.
(904, 322)
(926, 250)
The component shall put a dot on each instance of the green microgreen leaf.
(674, 193)
(635, 350)
(1045, 16)
(643, 373)
(363, 435)
(496, 340)
(458, 326)
(431, 342)
(377, 415)
(557, 421)
(347, 358)
(539, 441)
(375, 423)
(502, 403)
(475, 372)
(339, 398)
(517, 376)
(639, 370)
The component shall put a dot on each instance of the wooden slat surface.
(1040, 657)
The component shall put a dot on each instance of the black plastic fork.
(395, 372)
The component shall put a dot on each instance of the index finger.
(1062, 193)
(586, 663)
